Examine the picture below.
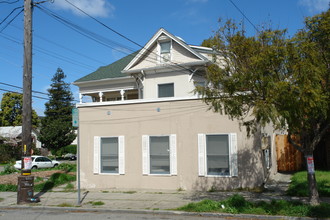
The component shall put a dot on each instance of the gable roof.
(153, 40)
(112, 70)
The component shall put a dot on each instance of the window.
(165, 90)
(165, 51)
(217, 154)
(165, 47)
(109, 155)
(159, 154)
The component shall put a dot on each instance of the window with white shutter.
(159, 155)
(109, 155)
(217, 154)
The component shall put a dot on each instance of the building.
(144, 128)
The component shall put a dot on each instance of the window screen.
(217, 150)
(159, 155)
(109, 155)
(166, 90)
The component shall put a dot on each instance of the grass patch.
(65, 204)
(69, 187)
(237, 204)
(55, 180)
(105, 191)
(8, 188)
(299, 184)
(1, 199)
(97, 203)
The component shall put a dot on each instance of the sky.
(112, 29)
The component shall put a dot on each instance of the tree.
(275, 80)
(12, 108)
(56, 128)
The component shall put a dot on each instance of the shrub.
(8, 169)
(9, 153)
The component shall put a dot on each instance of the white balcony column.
(100, 95)
(122, 93)
(80, 97)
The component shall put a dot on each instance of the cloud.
(315, 6)
(97, 8)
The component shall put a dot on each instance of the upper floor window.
(166, 90)
(165, 51)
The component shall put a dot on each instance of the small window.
(165, 47)
(109, 155)
(160, 155)
(166, 90)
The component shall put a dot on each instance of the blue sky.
(55, 45)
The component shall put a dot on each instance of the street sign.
(75, 117)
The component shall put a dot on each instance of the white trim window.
(217, 154)
(165, 51)
(165, 90)
(159, 155)
(109, 155)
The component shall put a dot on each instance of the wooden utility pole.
(25, 181)
(27, 80)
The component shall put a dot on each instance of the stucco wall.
(182, 86)
(186, 119)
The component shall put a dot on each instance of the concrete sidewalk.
(137, 200)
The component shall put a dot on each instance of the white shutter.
(173, 160)
(201, 154)
(97, 147)
(145, 155)
(121, 154)
(233, 155)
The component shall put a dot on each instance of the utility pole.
(25, 181)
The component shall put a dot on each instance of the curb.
(160, 212)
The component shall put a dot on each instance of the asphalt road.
(56, 214)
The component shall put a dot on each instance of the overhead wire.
(10, 20)
(123, 36)
(244, 15)
(100, 39)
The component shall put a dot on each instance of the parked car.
(39, 162)
(70, 156)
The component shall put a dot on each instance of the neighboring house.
(13, 134)
(146, 129)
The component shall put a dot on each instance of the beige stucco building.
(146, 129)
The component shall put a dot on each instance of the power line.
(8, 2)
(6, 90)
(123, 36)
(7, 84)
(11, 19)
(244, 15)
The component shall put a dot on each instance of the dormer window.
(165, 51)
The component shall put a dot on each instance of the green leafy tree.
(269, 78)
(56, 128)
(12, 108)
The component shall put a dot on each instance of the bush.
(70, 149)
(8, 169)
(9, 153)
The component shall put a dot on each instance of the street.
(62, 213)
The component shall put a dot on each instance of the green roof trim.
(110, 71)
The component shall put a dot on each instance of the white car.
(39, 162)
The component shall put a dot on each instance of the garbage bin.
(25, 189)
